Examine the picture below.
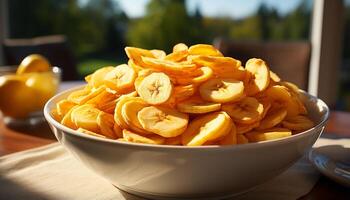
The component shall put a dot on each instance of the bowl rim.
(75, 133)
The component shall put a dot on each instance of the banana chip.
(192, 96)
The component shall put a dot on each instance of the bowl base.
(129, 193)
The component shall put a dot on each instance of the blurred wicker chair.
(55, 48)
(290, 60)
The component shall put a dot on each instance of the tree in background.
(165, 24)
(86, 26)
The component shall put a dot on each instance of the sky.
(227, 8)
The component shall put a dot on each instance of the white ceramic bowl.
(177, 172)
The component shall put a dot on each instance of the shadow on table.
(10, 190)
(41, 130)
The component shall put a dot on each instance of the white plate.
(332, 161)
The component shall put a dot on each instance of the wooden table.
(14, 140)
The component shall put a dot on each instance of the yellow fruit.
(163, 121)
(258, 77)
(177, 56)
(117, 130)
(160, 54)
(216, 63)
(137, 138)
(298, 123)
(273, 117)
(173, 140)
(183, 92)
(270, 134)
(82, 130)
(120, 78)
(55, 115)
(281, 95)
(33, 63)
(16, 98)
(106, 122)
(67, 119)
(97, 78)
(155, 88)
(136, 55)
(197, 106)
(64, 106)
(180, 47)
(130, 109)
(201, 75)
(44, 84)
(85, 116)
(247, 111)
(204, 49)
(82, 96)
(241, 139)
(118, 118)
(234, 73)
(230, 138)
(243, 128)
(221, 90)
(274, 77)
(207, 128)
(170, 66)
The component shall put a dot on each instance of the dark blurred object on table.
(55, 48)
(290, 60)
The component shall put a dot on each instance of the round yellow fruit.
(44, 84)
(33, 63)
(16, 98)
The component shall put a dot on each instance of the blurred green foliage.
(167, 22)
(92, 27)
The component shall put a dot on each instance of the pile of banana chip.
(193, 96)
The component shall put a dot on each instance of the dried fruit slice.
(82, 130)
(163, 121)
(177, 56)
(241, 139)
(165, 65)
(281, 95)
(137, 138)
(68, 121)
(216, 63)
(270, 134)
(244, 128)
(85, 116)
(120, 78)
(298, 123)
(204, 49)
(273, 117)
(180, 47)
(221, 90)
(197, 106)
(97, 78)
(173, 140)
(80, 97)
(247, 111)
(258, 77)
(230, 138)
(118, 118)
(129, 113)
(106, 122)
(64, 106)
(136, 54)
(160, 54)
(183, 92)
(155, 88)
(204, 74)
(207, 128)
